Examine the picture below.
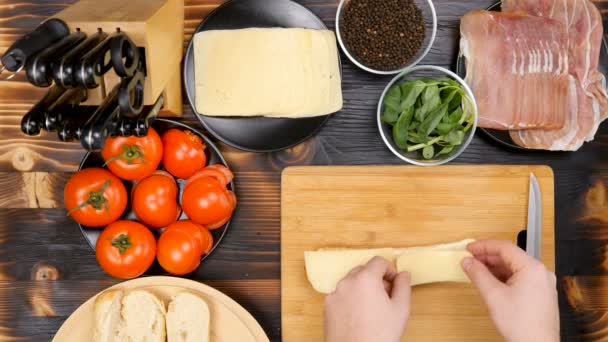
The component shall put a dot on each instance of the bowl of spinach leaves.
(427, 115)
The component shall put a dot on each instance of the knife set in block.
(111, 66)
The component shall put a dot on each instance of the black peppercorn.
(382, 34)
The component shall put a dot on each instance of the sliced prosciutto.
(517, 67)
(583, 23)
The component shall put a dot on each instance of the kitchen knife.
(107, 118)
(71, 126)
(33, 120)
(139, 126)
(38, 68)
(65, 68)
(95, 64)
(15, 58)
(533, 233)
(68, 101)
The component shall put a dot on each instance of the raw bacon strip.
(583, 23)
(517, 67)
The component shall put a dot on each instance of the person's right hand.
(519, 291)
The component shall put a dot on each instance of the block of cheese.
(426, 264)
(273, 72)
(326, 268)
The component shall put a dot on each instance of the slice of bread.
(188, 319)
(107, 316)
(143, 317)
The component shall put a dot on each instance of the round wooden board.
(229, 320)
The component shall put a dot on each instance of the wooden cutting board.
(401, 206)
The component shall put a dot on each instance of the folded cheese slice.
(274, 72)
(427, 264)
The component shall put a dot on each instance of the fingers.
(495, 264)
(401, 291)
(513, 257)
(381, 268)
(354, 271)
(481, 277)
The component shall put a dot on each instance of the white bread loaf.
(107, 316)
(143, 317)
(188, 319)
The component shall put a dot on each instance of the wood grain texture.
(247, 265)
(383, 206)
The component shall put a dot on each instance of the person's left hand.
(372, 303)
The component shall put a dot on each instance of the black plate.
(94, 159)
(501, 136)
(255, 134)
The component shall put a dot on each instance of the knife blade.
(533, 233)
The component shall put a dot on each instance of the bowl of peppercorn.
(386, 36)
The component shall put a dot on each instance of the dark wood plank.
(30, 236)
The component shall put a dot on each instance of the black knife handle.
(44, 35)
(102, 123)
(131, 95)
(38, 68)
(64, 68)
(143, 122)
(124, 55)
(71, 125)
(68, 100)
(95, 63)
(33, 120)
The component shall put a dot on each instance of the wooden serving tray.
(400, 206)
(229, 321)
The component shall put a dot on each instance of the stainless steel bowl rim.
(399, 77)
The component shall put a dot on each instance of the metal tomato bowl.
(214, 156)
(415, 157)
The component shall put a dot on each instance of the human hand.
(519, 291)
(372, 303)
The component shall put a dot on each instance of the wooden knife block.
(157, 26)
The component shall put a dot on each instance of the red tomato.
(125, 249)
(226, 171)
(206, 201)
(178, 252)
(207, 172)
(219, 224)
(208, 238)
(155, 200)
(133, 158)
(94, 197)
(193, 230)
(184, 153)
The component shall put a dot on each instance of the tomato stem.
(96, 199)
(122, 242)
(129, 154)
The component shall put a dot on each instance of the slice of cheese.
(272, 72)
(431, 266)
(326, 268)
(426, 264)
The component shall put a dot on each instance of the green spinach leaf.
(401, 128)
(410, 92)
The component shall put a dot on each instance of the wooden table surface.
(47, 270)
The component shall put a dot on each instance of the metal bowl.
(214, 156)
(430, 23)
(424, 71)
